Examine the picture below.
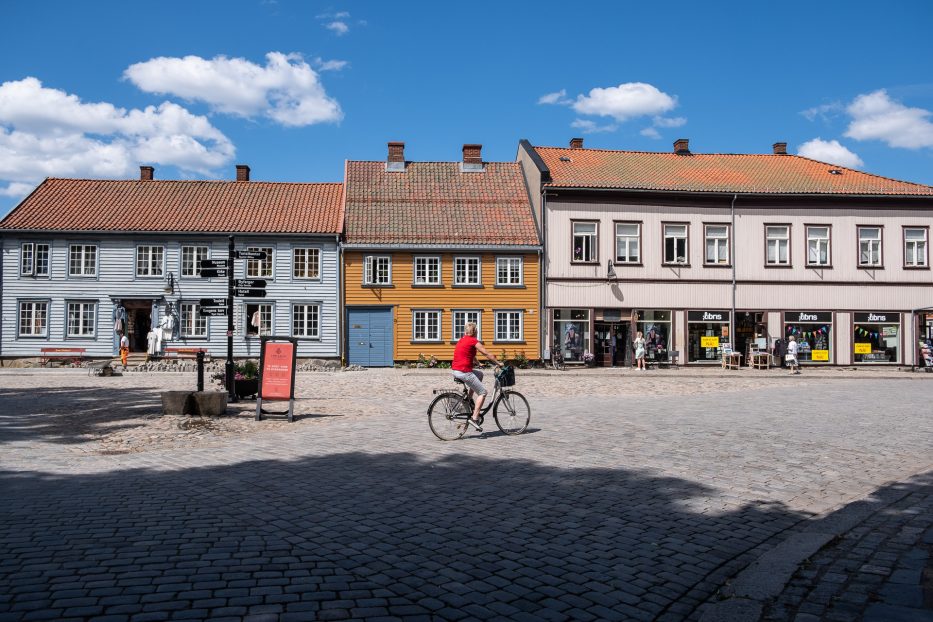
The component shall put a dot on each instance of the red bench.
(184, 353)
(60, 354)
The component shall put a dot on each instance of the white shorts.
(473, 380)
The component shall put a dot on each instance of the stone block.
(209, 403)
(176, 402)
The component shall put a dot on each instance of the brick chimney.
(396, 159)
(472, 158)
(576, 143)
(682, 146)
(242, 172)
(780, 148)
(146, 173)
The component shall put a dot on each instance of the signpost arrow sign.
(214, 302)
(210, 311)
(249, 283)
(213, 263)
(251, 254)
(209, 273)
(250, 293)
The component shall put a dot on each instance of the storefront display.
(655, 326)
(572, 332)
(813, 331)
(707, 331)
(876, 337)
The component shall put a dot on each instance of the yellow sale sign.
(709, 342)
(820, 355)
(863, 348)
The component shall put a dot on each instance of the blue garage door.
(370, 336)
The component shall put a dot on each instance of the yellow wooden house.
(430, 246)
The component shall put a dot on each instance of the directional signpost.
(213, 268)
(208, 273)
(249, 293)
(213, 302)
(251, 254)
(249, 283)
(212, 311)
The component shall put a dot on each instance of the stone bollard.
(209, 403)
(176, 403)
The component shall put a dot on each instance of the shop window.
(377, 270)
(508, 325)
(191, 257)
(306, 263)
(258, 319)
(82, 319)
(813, 332)
(869, 247)
(628, 242)
(191, 323)
(675, 244)
(426, 325)
(584, 241)
(717, 244)
(915, 247)
(33, 318)
(777, 241)
(509, 271)
(462, 317)
(655, 327)
(707, 334)
(149, 260)
(572, 333)
(818, 246)
(259, 268)
(467, 271)
(876, 337)
(82, 260)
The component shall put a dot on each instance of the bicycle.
(557, 357)
(450, 411)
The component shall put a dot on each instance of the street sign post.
(212, 311)
(249, 283)
(208, 273)
(214, 302)
(251, 254)
(214, 263)
(249, 293)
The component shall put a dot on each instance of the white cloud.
(590, 127)
(829, 151)
(650, 132)
(16, 190)
(330, 65)
(669, 121)
(626, 101)
(46, 132)
(557, 97)
(823, 111)
(875, 116)
(286, 90)
(338, 27)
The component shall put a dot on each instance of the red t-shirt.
(464, 353)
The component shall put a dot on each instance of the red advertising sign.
(277, 370)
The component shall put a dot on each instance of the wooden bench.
(47, 355)
(760, 360)
(185, 353)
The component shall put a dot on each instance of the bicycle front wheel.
(447, 416)
(512, 412)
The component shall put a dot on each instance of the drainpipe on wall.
(545, 344)
(734, 258)
(340, 318)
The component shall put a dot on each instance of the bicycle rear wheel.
(512, 412)
(447, 416)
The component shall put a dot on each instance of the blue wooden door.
(370, 336)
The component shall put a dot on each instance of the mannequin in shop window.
(256, 321)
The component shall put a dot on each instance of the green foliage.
(520, 361)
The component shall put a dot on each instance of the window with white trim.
(306, 263)
(149, 260)
(869, 246)
(82, 319)
(42, 263)
(426, 325)
(27, 259)
(258, 319)
(82, 260)
(818, 246)
(915, 247)
(584, 241)
(717, 244)
(33, 318)
(306, 320)
(777, 240)
(377, 270)
(192, 324)
(259, 268)
(467, 271)
(675, 244)
(462, 317)
(508, 325)
(191, 257)
(628, 242)
(508, 270)
(427, 271)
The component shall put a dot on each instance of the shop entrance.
(611, 339)
(707, 335)
(138, 323)
(751, 332)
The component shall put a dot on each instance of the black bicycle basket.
(506, 376)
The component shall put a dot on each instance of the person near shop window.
(791, 355)
(639, 344)
(464, 368)
(573, 342)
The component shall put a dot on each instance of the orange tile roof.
(182, 206)
(714, 172)
(435, 203)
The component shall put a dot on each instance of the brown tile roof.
(434, 203)
(714, 172)
(195, 206)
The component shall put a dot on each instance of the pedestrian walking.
(791, 355)
(639, 344)
(124, 350)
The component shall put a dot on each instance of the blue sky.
(293, 88)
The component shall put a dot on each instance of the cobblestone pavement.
(632, 496)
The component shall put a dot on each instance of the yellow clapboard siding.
(404, 297)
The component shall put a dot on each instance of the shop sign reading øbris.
(876, 317)
(707, 316)
(822, 317)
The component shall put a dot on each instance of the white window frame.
(88, 254)
(86, 310)
(666, 235)
(27, 259)
(815, 244)
(875, 247)
(628, 240)
(720, 243)
(465, 314)
(191, 324)
(588, 242)
(919, 248)
(426, 313)
(261, 268)
(498, 338)
(145, 259)
(33, 305)
(307, 323)
(424, 262)
(772, 234)
(302, 268)
(462, 266)
(196, 256)
(265, 308)
(370, 269)
(510, 280)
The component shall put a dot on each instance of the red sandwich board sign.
(277, 358)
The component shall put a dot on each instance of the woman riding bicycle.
(463, 368)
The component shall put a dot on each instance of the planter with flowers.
(245, 379)
(589, 359)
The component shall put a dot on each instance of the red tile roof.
(436, 203)
(714, 172)
(195, 206)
